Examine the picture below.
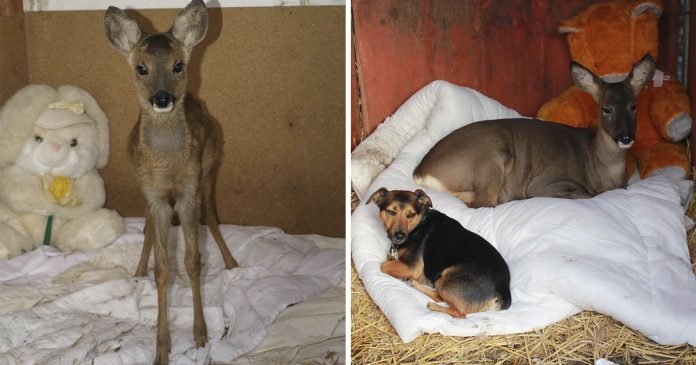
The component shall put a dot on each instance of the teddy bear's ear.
(642, 6)
(92, 109)
(17, 119)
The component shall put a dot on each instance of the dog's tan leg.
(188, 211)
(147, 247)
(397, 269)
(432, 293)
(161, 213)
(451, 310)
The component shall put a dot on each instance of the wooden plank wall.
(273, 76)
(508, 49)
(13, 54)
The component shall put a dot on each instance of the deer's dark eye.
(178, 67)
(73, 142)
(606, 110)
(38, 139)
(632, 108)
(141, 69)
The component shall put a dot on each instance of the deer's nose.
(162, 99)
(624, 138)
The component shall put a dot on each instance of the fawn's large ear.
(378, 196)
(641, 73)
(121, 30)
(191, 24)
(423, 199)
(586, 80)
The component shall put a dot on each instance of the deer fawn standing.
(177, 149)
(492, 162)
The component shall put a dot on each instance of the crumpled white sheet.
(87, 307)
(622, 253)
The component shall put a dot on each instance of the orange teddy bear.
(608, 38)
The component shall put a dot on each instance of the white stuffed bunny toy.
(52, 143)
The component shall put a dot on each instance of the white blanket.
(88, 308)
(622, 253)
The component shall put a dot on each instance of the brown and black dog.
(466, 271)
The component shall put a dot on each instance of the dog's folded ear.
(423, 199)
(378, 196)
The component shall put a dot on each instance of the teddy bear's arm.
(670, 110)
(89, 189)
(22, 192)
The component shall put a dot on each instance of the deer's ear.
(586, 80)
(121, 30)
(191, 24)
(641, 73)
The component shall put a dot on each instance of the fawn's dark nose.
(624, 138)
(162, 99)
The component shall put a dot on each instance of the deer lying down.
(491, 162)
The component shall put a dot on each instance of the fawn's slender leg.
(211, 217)
(147, 247)
(161, 213)
(188, 209)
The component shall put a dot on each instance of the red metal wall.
(508, 49)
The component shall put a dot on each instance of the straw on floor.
(580, 339)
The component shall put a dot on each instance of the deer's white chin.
(166, 109)
(624, 146)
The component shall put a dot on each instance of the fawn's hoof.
(200, 335)
(162, 351)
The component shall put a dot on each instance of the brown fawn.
(176, 147)
(492, 162)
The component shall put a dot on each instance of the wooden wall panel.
(508, 49)
(274, 78)
(13, 54)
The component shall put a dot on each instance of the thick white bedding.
(87, 307)
(622, 253)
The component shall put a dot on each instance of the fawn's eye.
(73, 142)
(38, 139)
(178, 67)
(141, 69)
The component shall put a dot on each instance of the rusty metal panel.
(11, 7)
(692, 75)
(355, 128)
(507, 49)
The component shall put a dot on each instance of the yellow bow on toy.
(77, 108)
(59, 190)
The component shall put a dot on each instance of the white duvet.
(622, 253)
(87, 307)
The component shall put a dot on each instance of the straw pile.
(580, 339)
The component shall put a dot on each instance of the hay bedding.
(579, 338)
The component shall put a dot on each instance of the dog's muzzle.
(398, 238)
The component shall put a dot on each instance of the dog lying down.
(432, 249)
